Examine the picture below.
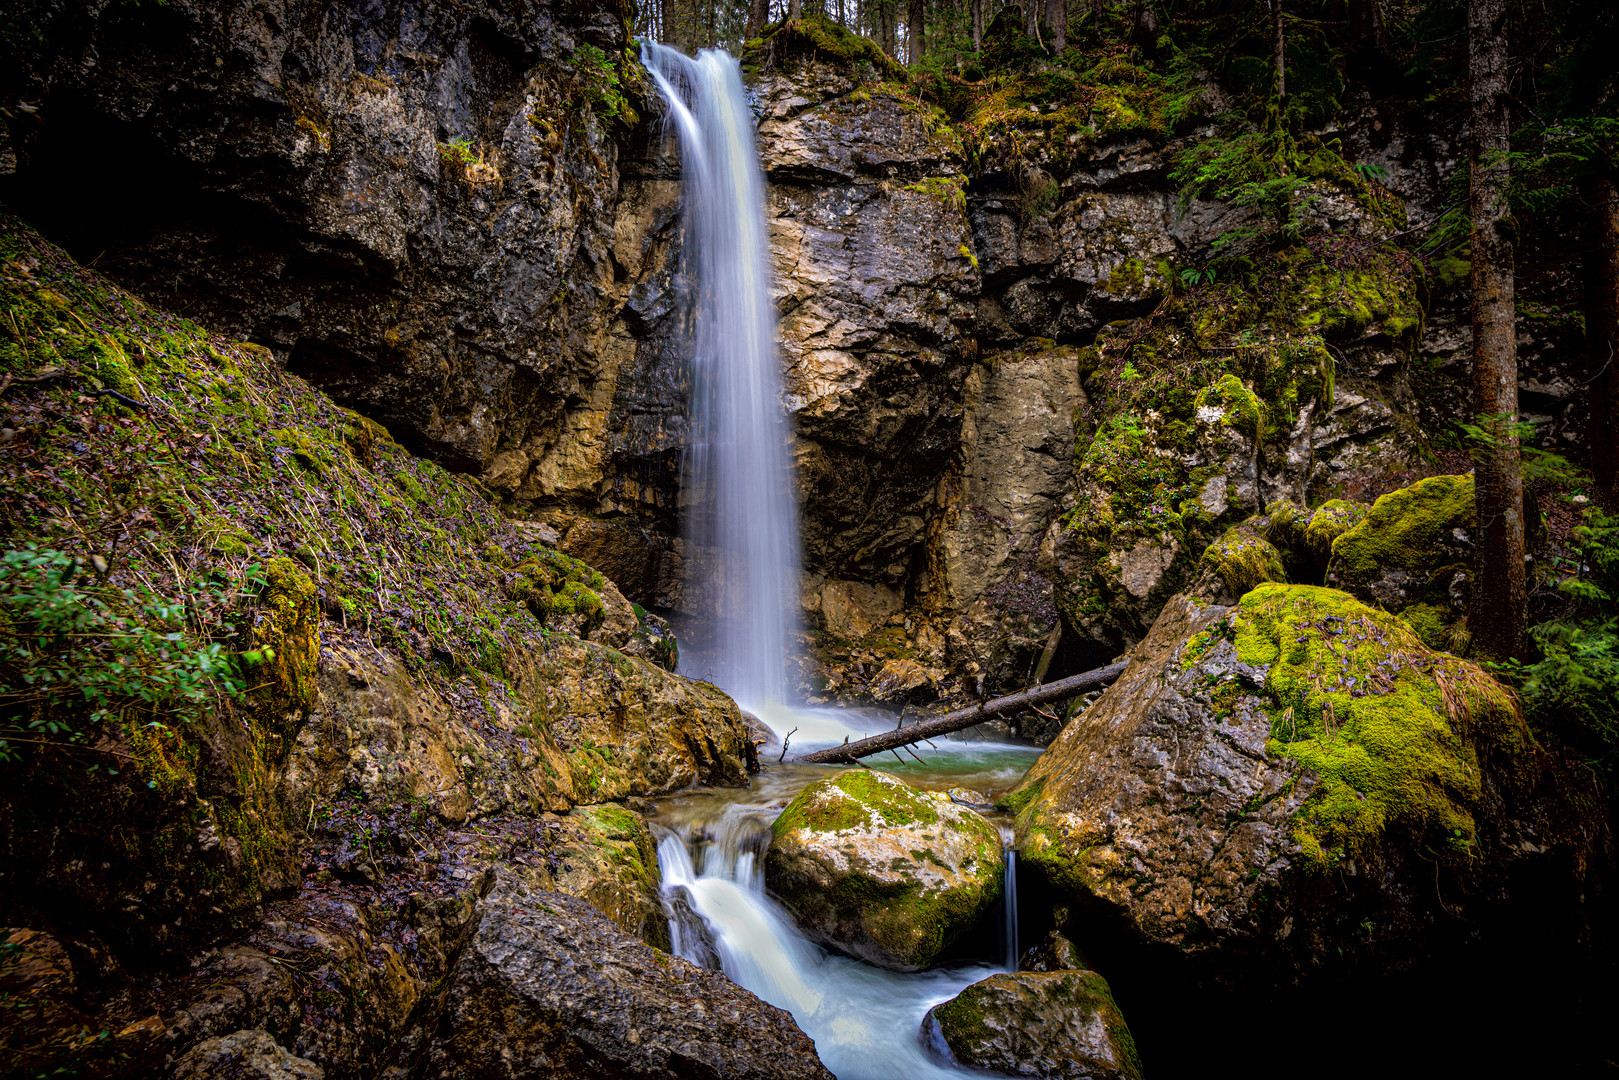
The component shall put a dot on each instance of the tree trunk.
(1031, 19)
(966, 718)
(1057, 23)
(758, 16)
(1602, 331)
(916, 31)
(1499, 595)
(888, 18)
(978, 24)
(1366, 28)
(1144, 27)
(1278, 43)
(795, 9)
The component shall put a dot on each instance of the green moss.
(1331, 520)
(1240, 405)
(818, 38)
(1243, 560)
(1392, 730)
(1403, 529)
(856, 798)
(976, 1021)
(289, 635)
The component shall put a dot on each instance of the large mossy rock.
(1410, 550)
(1056, 1025)
(869, 864)
(1293, 784)
(548, 987)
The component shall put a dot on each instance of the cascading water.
(1009, 899)
(742, 528)
(866, 1022)
(743, 546)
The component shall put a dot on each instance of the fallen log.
(964, 718)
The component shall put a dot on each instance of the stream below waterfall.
(742, 542)
(866, 1021)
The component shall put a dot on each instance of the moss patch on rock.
(870, 864)
(1394, 731)
(1047, 1024)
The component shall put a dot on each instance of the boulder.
(1274, 789)
(1061, 1025)
(608, 857)
(871, 865)
(549, 987)
(244, 1055)
(1410, 553)
(1241, 559)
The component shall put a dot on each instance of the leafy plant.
(1574, 688)
(78, 654)
(599, 76)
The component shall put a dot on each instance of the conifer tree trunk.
(1057, 23)
(758, 16)
(916, 31)
(1031, 19)
(1278, 44)
(795, 9)
(1602, 334)
(1499, 595)
(978, 24)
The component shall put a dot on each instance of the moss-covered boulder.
(1276, 786)
(1240, 560)
(1410, 553)
(1049, 1024)
(869, 864)
(606, 855)
(1330, 520)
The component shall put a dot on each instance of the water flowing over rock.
(1056, 1025)
(869, 864)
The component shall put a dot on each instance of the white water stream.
(743, 554)
(742, 528)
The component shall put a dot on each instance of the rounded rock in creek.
(869, 864)
(1047, 1024)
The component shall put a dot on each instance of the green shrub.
(78, 654)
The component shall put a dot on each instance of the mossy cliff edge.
(318, 660)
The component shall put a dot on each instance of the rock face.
(548, 987)
(245, 1055)
(869, 864)
(1056, 1025)
(1269, 784)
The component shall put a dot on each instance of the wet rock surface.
(1203, 804)
(548, 986)
(875, 867)
(1056, 1025)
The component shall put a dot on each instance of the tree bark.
(1499, 605)
(916, 31)
(1602, 333)
(978, 25)
(1031, 19)
(1057, 23)
(758, 16)
(888, 21)
(1278, 35)
(966, 718)
(795, 9)
(1366, 28)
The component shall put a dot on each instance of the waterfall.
(1009, 899)
(866, 1022)
(742, 533)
